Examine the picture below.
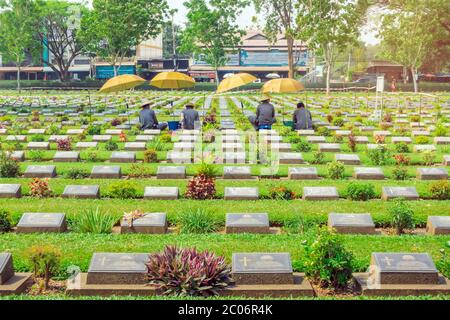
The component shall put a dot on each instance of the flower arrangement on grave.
(187, 272)
(64, 144)
(130, 217)
(282, 193)
(39, 188)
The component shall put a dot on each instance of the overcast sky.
(245, 20)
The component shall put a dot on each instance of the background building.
(257, 56)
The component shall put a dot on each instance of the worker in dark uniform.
(188, 117)
(302, 117)
(148, 120)
(265, 115)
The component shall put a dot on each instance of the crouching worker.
(265, 115)
(148, 120)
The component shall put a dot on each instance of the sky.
(245, 20)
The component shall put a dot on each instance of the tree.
(56, 24)
(406, 38)
(16, 37)
(328, 27)
(115, 27)
(437, 25)
(212, 31)
(279, 17)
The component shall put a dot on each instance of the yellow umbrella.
(235, 81)
(286, 85)
(172, 80)
(121, 83)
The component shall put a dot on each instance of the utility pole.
(174, 42)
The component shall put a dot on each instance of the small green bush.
(378, 156)
(443, 264)
(428, 158)
(111, 146)
(36, 155)
(303, 146)
(94, 221)
(197, 221)
(76, 173)
(5, 221)
(360, 191)
(150, 156)
(93, 130)
(440, 131)
(123, 190)
(422, 140)
(327, 262)
(440, 190)
(401, 147)
(339, 122)
(92, 155)
(400, 173)
(207, 169)
(324, 131)
(45, 261)
(38, 138)
(318, 158)
(336, 170)
(9, 168)
(402, 216)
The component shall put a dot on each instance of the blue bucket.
(173, 125)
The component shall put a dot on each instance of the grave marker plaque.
(303, 173)
(351, 223)
(403, 268)
(232, 172)
(40, 172)
(262, 268)
(82, 192)
(408, 193)
(6, 267)
(161, 193)
(368, 174)
(117, 268)
(10, 191)
(247, 223)
(320, 193)
(432, 174)
(244, 193)
(171, 172)
(42, 222)
(123, 157)
(152, 223)
(438, 225)
(106, 172)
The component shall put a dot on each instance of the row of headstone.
(268, 274)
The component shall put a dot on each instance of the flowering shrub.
(187, 272)
(400, 173)
(327, 262)
(64, 144)
(281, 193)
(401, 159)
(352, 142)
(123, 137)
(201, 187)
(39, 188)
(139, 171)
(336, 170)
(150, 156)
(440, 190)
(380, 139)
(116, 122)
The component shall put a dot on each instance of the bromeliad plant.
(187, 272)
